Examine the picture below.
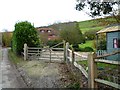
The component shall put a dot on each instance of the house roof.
(45, 29)
(109, 29)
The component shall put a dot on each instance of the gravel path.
(40, 74)
(0, 67)
(9, 76)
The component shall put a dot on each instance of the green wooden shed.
(112, 40)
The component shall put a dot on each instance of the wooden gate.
(47, 53)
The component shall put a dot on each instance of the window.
(116, 43)
(42, 31)
(48, 31)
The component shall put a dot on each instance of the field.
(87, 44)
(90, 43)
(96, 24)
(90, 25)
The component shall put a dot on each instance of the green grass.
(96, 24)
(87, 44)
(91, 29)
(13, 58)
(103, 65)
(90, 25)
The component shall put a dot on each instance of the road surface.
(9, 76)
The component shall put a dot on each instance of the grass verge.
(13, 58)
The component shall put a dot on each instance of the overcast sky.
(38, 12)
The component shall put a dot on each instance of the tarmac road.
(9, 76)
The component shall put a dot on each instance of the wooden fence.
(72, 57)
(101, 52)
(92, 59)
(36, 53)
(92, 68)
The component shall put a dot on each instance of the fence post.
(67, 47)
(25, 51)
(73, 56)
(92, 71)
(50, 54)
(64, 46)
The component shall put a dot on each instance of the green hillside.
(90, 25)
(95, 24)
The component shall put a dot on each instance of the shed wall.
(110, 36)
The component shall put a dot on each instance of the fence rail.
(105, 55)
(107, 61)
(71, 58)
(92, 69)
(108, 83)
(82, 69)
(93, 59)
(47, 53)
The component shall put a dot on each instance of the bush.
(90, 35)
(6, 39)
(88, 49)
(51, 43)
(72, 34)
(24, 33)
(76, 47)
(102, 45)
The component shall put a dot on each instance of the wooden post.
(67, 47)
(64, 46)
(38, 54)
(92, 71)
(25, 51)
(97, 38)
(73, 56)
(50, 55)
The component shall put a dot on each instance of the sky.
(38, 12)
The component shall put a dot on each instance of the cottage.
(48, 33)
(112, 40)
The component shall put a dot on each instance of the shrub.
(90, 35)
(51, 43)
(24, 33)
(102, 45)
(72, 34)
(76, 47)
(6, 38)
(88, 49)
